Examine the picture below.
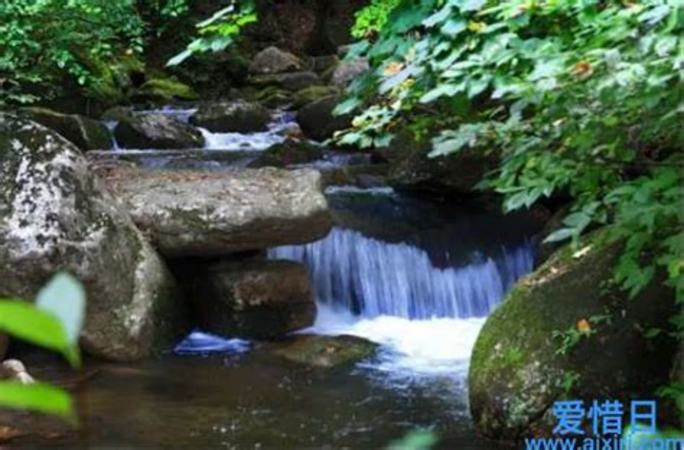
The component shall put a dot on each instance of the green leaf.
(560, 235)
(37, 397)
(65, 298)
(24, 321)
(179, 58)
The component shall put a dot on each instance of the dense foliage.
(53, 322)
(583, 98)
(92, 45)
(219, 31)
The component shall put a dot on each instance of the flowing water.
(416, 276)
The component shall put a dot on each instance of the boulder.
(273, 97)
(254, 299)
(348, 70)
(325, 351)
(55, 215)
(273, 60)
(293, 81)
(288, 153)
(164, 90)
(524, 359)
(85, 133)
(412, 168)
(317, 120)
(239, 117)
(311, 94)
(210, 214)
(154, 130)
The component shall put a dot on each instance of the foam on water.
(408, 347)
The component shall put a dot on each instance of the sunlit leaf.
(37, 397)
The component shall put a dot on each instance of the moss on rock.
(517, 370)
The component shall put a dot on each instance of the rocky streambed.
(335, 299)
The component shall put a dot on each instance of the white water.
(426, 319)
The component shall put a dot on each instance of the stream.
(418, 276)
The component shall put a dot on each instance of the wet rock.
(55, 215)
(293, 81)
(152, 130)
(258, 299)
(15, 370)
(412, 169)
(288, 153)
(317, 120)
(239, 117)
(325, 351)
(311, 94)
(273, 60)
(85, 133)
(203, 214)
(117, 114)
(360, 175)
(517, 371)
(348, 70)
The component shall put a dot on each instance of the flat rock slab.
(324, 351)
(212, 214)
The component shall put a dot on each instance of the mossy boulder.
(226, 117)
(288, 153)
(251, 298)
(325, 351)
(318, 121)
(519, 368)
(273, 97)
(154, 130)
(85, 133)
(56, 215)
(312, 94)
(164, 90)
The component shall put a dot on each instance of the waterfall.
(372, 278)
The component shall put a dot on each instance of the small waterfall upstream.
(426, 318)
(372, 278)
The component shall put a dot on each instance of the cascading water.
(427, 318)
(373, 278)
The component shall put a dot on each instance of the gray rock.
(15, 370)
(288, 153)
(325, 351)
(273, 60)
(517, 372)
(152, 130)
(293, 81)
(55, 215)
(259, 299)
(204, 214)
(348, 70)
(239, 117)
(85, 133)
(317, 120)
